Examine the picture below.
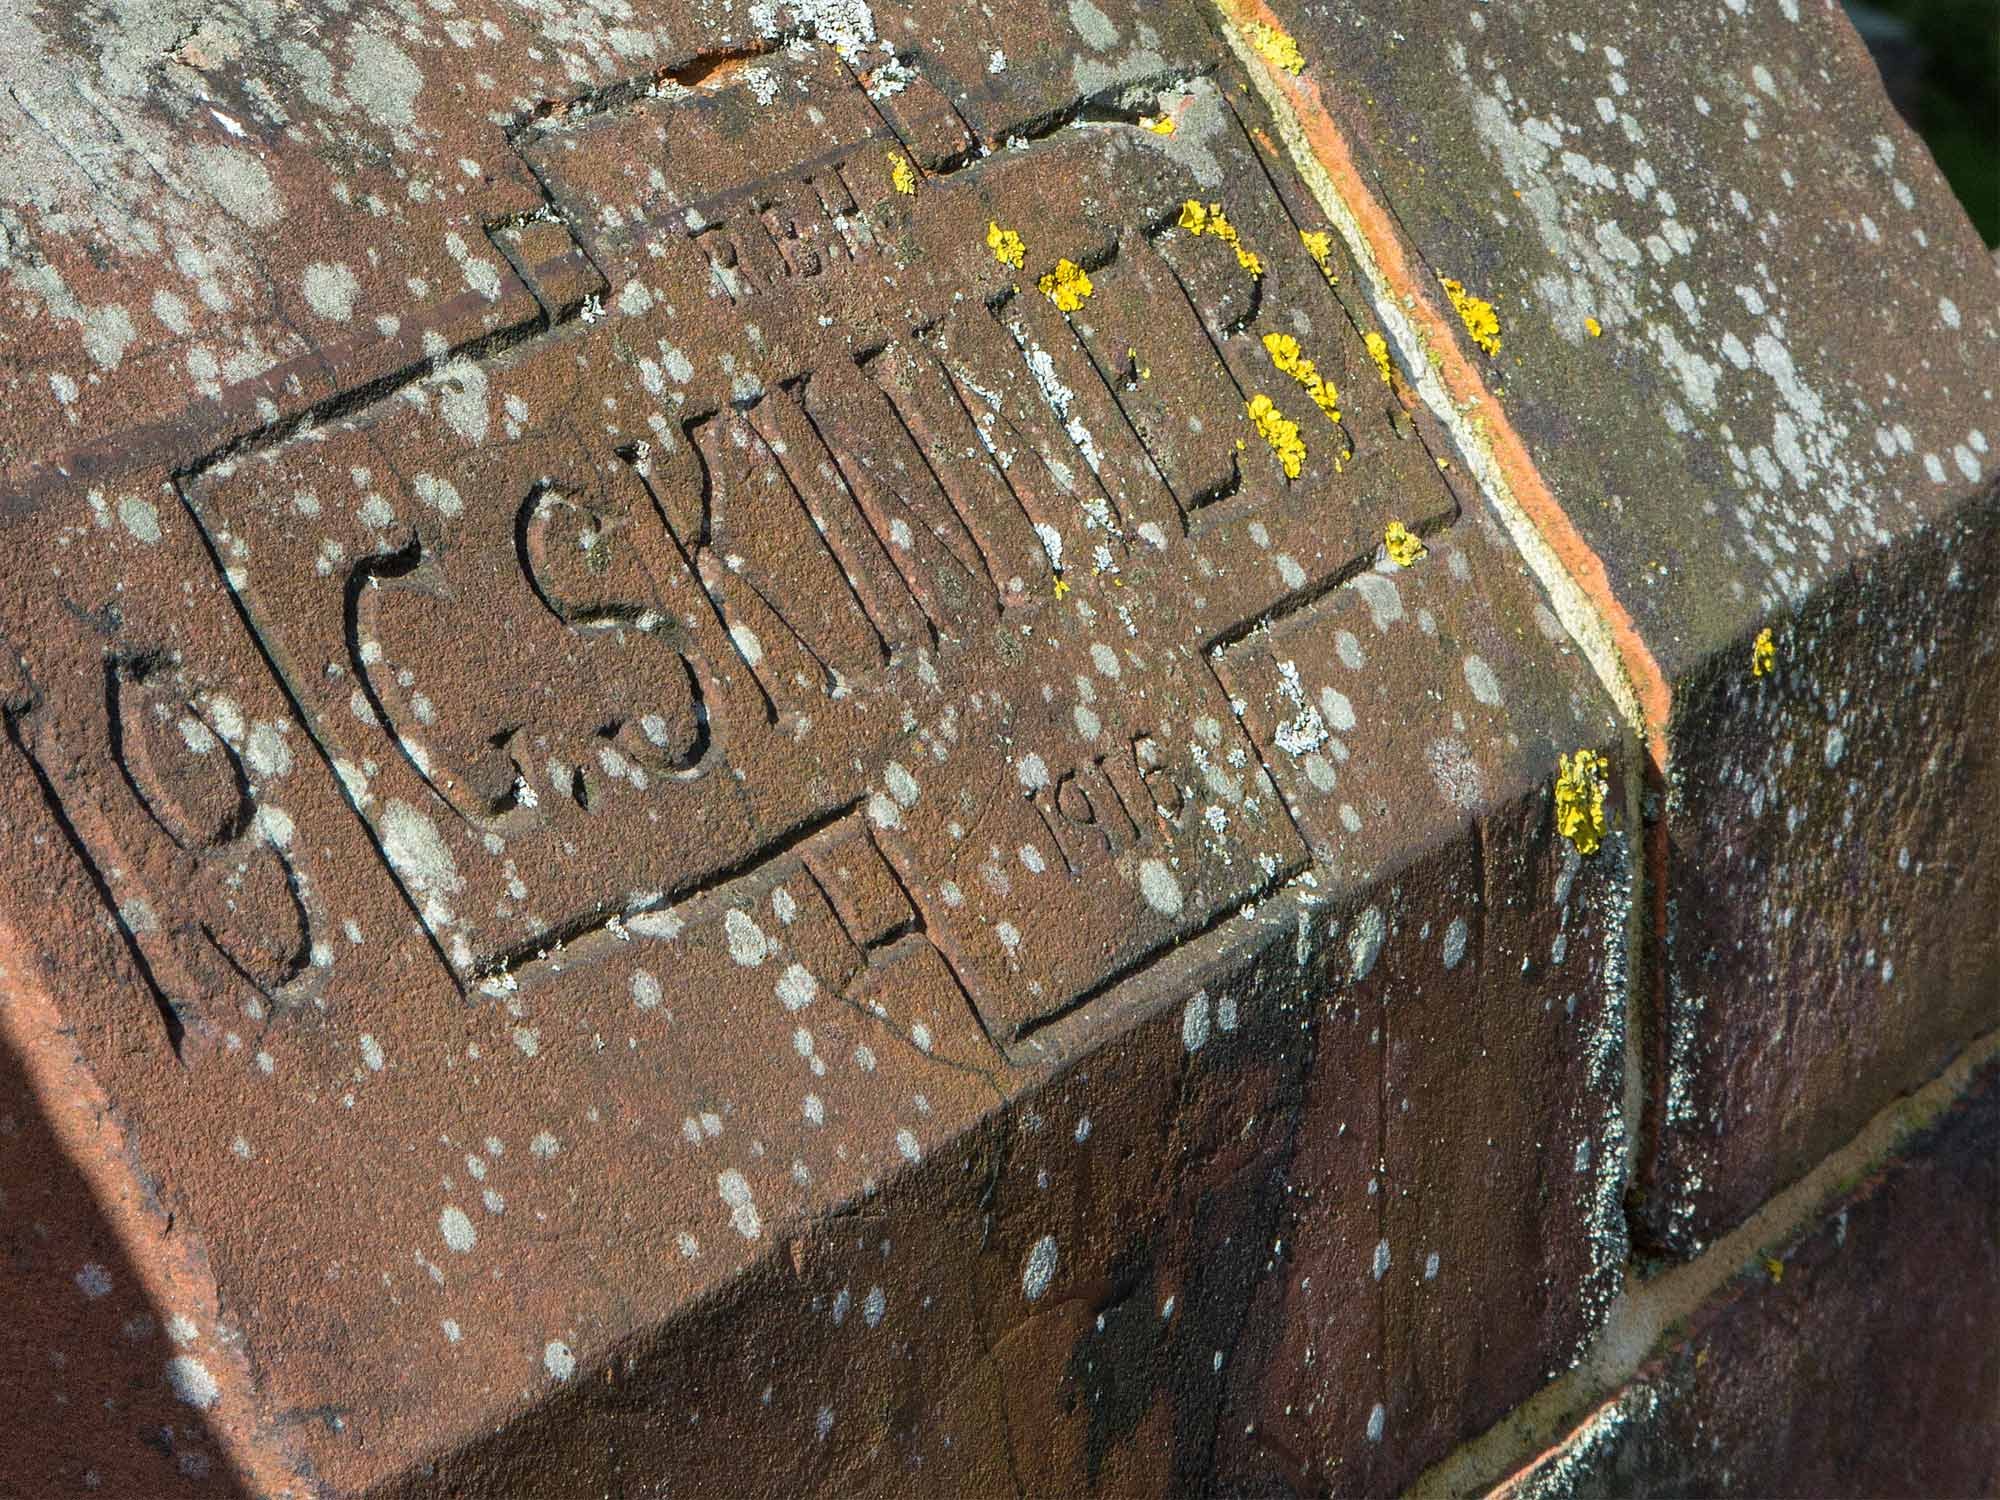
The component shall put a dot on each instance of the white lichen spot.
(1364, 944)
(1194, 1021)
(646, 991)
(1479, 677)
(1455, 937)
(558, 1361)
(747, 943)
(459, 1235)
(1040, 1268)
(440, 494)
(330, 290)
(421, 857)
(901, 784)
(797, 988)
(742, 1208)
(139, 517)
(1158, 886)
(188, 1378)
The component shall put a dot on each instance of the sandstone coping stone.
(737, 848)
(1742, 383)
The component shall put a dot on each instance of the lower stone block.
(1831, 911)
(1859, 1360)
(1452, 1231)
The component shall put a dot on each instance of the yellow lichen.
(1763, 653)
(1159, 125)
(902, 173)
(1774, 1268)
(1378, 350)
(1405, 546)
(1477, 314)
(1005, 244)
(1319, 245)
(1580, 791)
(1280, 431)
(1284, 352)
(1062, 586)
(1066, 286)
(1275, 47)
(1197, 219)
(1593, 327)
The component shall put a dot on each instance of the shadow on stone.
(101, 1407)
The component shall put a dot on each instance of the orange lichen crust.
(1319, 245)
(1284, 352)
(1210, 219)
(1404, 545)
(1378, 350)
(1280, 431)
(1275, 47)
(1477, 314)
(1005, 244)
(1580, 792)
(1763, 653)
(1066, 286)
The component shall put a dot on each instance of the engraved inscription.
(164, 810)
(577, 611)
(834, 512)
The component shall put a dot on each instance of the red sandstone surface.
(677, 823)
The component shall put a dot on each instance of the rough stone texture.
(1817, 1372)
(1392, 1325)
(689, 837)
(1832, 841)
(667, 832)
(1787, 421)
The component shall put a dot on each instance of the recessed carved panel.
(832, 515)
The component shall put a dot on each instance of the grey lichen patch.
(1093, 25)
(1698, 273)
(330, 290)
(140, 517)
(382, 80)
(239, 181)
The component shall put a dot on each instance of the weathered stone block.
(1738, 380)
(1821, 1370)
(1833, 914)
(1452, 1231)
(741, 794)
